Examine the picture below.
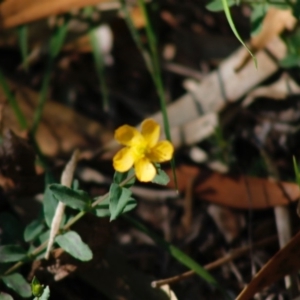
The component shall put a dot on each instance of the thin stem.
(67, 226)
(13, 102)
(100, 67)
(42, 97)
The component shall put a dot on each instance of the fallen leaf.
(236, 191)
(18, 12)
(61, 129)
(275, 22)
(284, 262)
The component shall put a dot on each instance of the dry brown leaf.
(286, 261)
(61, 129)
(275, 22)
(17, 12)
(241, 192)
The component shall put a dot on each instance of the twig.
(66, 180)
(221, 261)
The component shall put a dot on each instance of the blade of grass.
(296, 170)
(23, 43)
(13, 102)
(152, 64)
(21, 117)
(56, 43)
(177, 254)
(136, 37)
(99, 62)
(233, 28)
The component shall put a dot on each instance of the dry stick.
(283, 222)
(221, 261)
(66, 180)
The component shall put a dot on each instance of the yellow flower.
(141, 150)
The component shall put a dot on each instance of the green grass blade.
(232, 26)
(42, 98)
(13, 102)
(100, 68)
(157, 78)
(296, 170)
(178, 255)
(56, 43)
(136, 37)
(58, 38)
(23, 43)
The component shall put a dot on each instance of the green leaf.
(296, 10)
(257, 16)
(11, 253)
(131, 204)
(36, 288)
(49, 206)
(45, 295)
(217, 5)
(33, 229)
(131, 182)
(17, 283)
(178, 255)
(4, 296)
(71, 242)
(119, 177)
(76, 199)
(102, 210)
(118, 198)
(290, 61)
(161, 177)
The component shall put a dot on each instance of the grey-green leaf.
(131, 204)
(71, 242)
(102, 210)
(33, 229)
(49, 206)
(118, 198)
(11, 253)
(18, 283)
(161, 177)
(4, 296)
(76, 199)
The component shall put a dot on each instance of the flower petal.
(162, 151)
(128, 136)
(144, 170)
(123, 160)
(150, 131)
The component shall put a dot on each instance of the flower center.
(139, 150)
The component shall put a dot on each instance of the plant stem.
(67, 226)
